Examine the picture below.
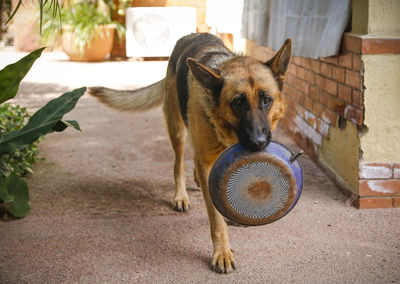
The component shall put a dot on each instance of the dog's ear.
(280, 62)
(207, 77)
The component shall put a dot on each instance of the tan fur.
(210, 124)
(278, 112)
(137, 100)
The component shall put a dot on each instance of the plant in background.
(122, 5)
(19, 162)
(53, 7)
(19, 137)
(83, 17)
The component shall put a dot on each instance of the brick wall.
(328, 92)
(319, 92)
(379, 185)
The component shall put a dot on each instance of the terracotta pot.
(99, 47)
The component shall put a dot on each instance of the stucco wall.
(384, 16)
(376, 16)
(382, 108)
(359, 20)
(340, 154)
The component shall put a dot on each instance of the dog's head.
(245, 95)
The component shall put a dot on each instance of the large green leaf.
(20, 206)
(14, 190)
(11, 75)
(42, 122)
(5, 194)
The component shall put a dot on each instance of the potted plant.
(85, 29)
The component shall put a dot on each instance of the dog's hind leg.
(177, 135)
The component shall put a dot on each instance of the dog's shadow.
(140, 200)
(105, 197)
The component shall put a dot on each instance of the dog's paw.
(181, 204)
(223, 260)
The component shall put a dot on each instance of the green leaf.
(4, 191)
(62, 124)
(73, 123)
(4, 168)
(15, 11)
(20, 205)
(41, 14)
(18, 195)
(42, 122)
(59, 126)
(11, 75)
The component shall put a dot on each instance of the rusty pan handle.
(294, 157)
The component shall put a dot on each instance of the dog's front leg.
(222, 259)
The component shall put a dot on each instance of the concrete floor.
(101, 205)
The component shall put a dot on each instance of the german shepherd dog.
(220, 98)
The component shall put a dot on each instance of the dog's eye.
(265, 98)
(239, 100)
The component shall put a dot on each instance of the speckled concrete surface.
(101, 210)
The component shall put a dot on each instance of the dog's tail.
(133, 100)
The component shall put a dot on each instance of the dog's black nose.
(259, 143)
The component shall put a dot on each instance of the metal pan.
(256, 188)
